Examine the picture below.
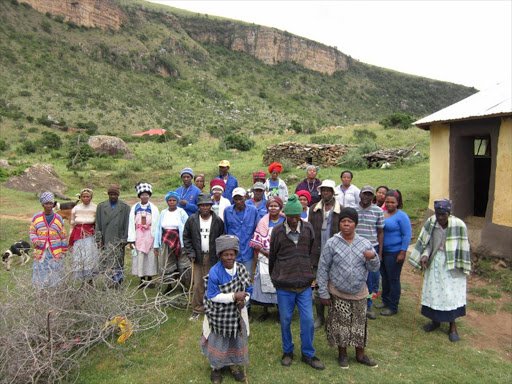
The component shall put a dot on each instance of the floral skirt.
(346, 323)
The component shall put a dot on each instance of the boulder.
(38, 178)
(5, 164)
(110, 145)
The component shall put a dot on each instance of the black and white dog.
(19, 248)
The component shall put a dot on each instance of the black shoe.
(431, 326)
(380, 306)
(343, 362)
(388, 312)
(216, 376)
(371, 315)
(366, 361)
(287, 359)
(453, 336)
(237, 374)
(313, 362)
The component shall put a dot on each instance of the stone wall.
(323, 155)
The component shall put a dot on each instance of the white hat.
(328, 184)
(238, 192)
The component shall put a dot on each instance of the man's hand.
(325, 302)
(369, 254)
(183, 202)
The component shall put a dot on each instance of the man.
(240, 220)
(371, 227)
(442, 250)
(230, 181)
(188, 192)
(199, 234)
(258, 199)
(291, 272)
(111, 229)
(324, 216)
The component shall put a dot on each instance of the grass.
(487, 307)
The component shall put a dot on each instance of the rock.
(110, 145)
(5, 164)
(38, 178)
(302, 155)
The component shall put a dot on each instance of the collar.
(320, 205)
(288, 229)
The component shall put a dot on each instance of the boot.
(320, 318)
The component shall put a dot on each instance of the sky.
(464, 42)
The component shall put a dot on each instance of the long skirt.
(222, 351)
(47, 273)
(346, 323)
(264, 292)
(144, 264)
(85, 258)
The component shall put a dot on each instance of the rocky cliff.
(104, 14)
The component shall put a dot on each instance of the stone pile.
(383, 156)
(323, 155)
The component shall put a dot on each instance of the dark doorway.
(482, 175)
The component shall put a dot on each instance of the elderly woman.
(169, 238)
(142, 228)
(305, 200)
(442, 250)
(48, 237)
(397, 236)
(264, 291)
(348, 193)
(342, 271)
(81, 241)
(311, 184)
(199, 181)
(228, 288)
(217, 187)
(274, 185)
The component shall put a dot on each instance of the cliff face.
(104, 14)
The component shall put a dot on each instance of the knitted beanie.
(293, 206)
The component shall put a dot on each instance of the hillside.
(129, 66)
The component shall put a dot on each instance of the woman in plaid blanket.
(442, 250)
(228, 288)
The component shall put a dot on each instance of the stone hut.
(323, 155)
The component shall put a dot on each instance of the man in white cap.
(324, 216)
(230, 181)
(188, 192)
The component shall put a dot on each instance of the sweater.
(316, 218)
(397, 232)
(52, 235)
(158, 235)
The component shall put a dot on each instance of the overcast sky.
(464, 42)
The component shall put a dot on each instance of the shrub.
(46, 26)
(43, 120)
(80, 160)
(362, 135)
(51, 140)
(59, 19)
(240, 141)
(3, 145)
(28, 147)
(296, 126)
(397, 120)
(187, 140)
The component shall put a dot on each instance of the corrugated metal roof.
(496, 100)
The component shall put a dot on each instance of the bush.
(46, 26)
(353, 159)
(187, 140)
(240, 141)
(296, 126)
(86, 152)
(3, 145)
(397, 120)
(43, 120)
(362, 135)
(51, 140)
(28, 147)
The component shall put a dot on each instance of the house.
(471, 164)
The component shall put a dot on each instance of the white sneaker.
(194, 317)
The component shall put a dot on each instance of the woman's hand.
(325, 302)
(369, 254)
(424, 262)
(240, 299)
(155, 251)
(400, 258)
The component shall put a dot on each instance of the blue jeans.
(304, 302)
(391, 288)
(373, 281)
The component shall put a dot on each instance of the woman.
(274, 185)
(48, 236)
(142, 228)
(199, 181)
(305, 200)
(380, 197)
(264, 292)
(217, 187)
(81, 241)
(347, 193)
(223, 341)
(397, 236)
(343, 269)
(169, 238)
(311, 184)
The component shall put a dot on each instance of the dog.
(19, 248)
(64, 209)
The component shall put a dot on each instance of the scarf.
(456, 245)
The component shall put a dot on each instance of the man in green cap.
(292, 274)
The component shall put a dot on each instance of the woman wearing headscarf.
(442, 250)
(275, 185)
(311, 184)
(81, 241)
(343, 269)
(228, 288)
(169, 238)
(217, 187)
(397, 236)
(142, 229)
(305, 200)
(347, 193)
(264, 292)
(48, 237)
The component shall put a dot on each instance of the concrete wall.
(502, 207)
(439, 163)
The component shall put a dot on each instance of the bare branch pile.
(383, 156)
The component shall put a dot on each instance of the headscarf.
(275, 199)
(258, 175)
(443, 206)
(114, 188)
(46, 197)
(351, 213)
(140, 188)
(198, 176)
(86, 190)
(172, 194)
(293, 206)
(218, 183)
(225, 242)
(305, 193)
(275, 167)
(312, 166)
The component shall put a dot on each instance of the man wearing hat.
(240, 219)
(442, 250)
(324, 216)
(371, 227)
(188, 192)
(258, 200)
(291, 272)
(111, 228)
(229, 180)
(199, 235)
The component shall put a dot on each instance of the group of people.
(323, 246)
